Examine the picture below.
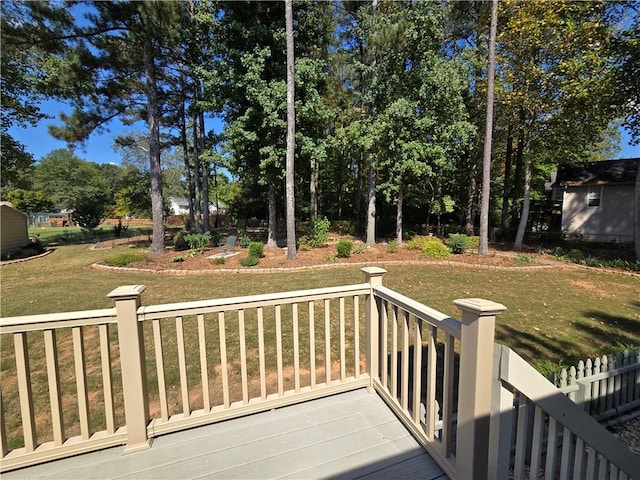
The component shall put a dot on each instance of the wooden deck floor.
(352, 435)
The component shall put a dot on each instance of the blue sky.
(99, 148)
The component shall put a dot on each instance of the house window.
(594, 196)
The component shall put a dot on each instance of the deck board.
(351, 435)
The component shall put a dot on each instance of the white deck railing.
(81, 381)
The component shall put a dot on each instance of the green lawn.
(553, 315)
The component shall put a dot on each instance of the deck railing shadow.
(81, 381)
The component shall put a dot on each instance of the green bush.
(343, 248)
(218, 260)
(177, 258)
(434, 248)
(575, 255)
(179, 242)
(524, 259)
(458, 242)
(249, 261)
(392, 246)
(417, 242)
(244, 242)
(256, 249)
(125, 259)
(474, 242)
(319, 233)
(197, 242)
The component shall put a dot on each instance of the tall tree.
(118, 67)
(486, 161)
(291, 134)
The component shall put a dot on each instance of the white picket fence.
(607, 387)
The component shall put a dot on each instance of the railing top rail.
(444, 322)
(152, 312)
(57, 320)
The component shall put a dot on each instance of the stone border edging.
(19, 260)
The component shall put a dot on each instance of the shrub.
(575, 255)
(343, 248)
(319, 233)
(434, 248)
(392, 246)
(179, 242)
(417, 242)
(177, 258)
(197, 242)
(119, 228)
(359, 248)
(474, 242)
(523, 259)
(218, 260)
(304, 243)
(249, 261)
(125, 259)
(244, 242)
(256, 249)
(458, 242)
(558, 252)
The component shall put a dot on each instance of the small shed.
(13, 229)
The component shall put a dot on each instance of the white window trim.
(596, 189)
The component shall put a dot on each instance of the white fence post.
(373, 276)
(475, 386)
(132, 363)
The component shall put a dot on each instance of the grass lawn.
(554, 315)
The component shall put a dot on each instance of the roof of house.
(9, 205)
(600, 173)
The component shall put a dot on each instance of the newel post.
(475, 388)
(132, 363)
(373, 276)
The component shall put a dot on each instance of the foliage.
(29, 200)
(197, 242)
(458, 242)
(343, 248)
(392, 246)
(304, 243)
(256, 249)
(359, 248)
(119, 228)
(319, 233)
(244, 241)
(123, 259)
(418, 241)
(177, 259)
(219, 261)
(88, 210)
(523, 259)
(249, 261)
(434, 248)
(179, 241)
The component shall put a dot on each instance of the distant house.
(13, 229)
(598, 200)
(180, 206)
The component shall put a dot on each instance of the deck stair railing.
(81, 381)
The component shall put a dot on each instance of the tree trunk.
(313, 191)
(196, 179)
(205, 176)
(471, 196)
(272, 228)
(524, 218)
(153, 117)
(506, 188)
(399, 204)
(291, 131)
(483, 249)
(187, 166)
(371, 205)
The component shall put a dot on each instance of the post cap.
(479, 306)
(127, 291)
